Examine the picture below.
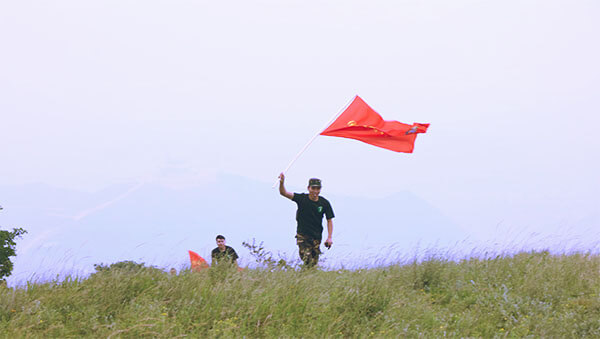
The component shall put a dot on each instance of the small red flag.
(359, 121)
(198, 263)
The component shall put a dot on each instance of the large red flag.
(361, 122)
(198, 263)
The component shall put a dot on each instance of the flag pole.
(314, 137)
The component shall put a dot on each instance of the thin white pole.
(314, 137)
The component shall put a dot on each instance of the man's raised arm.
(282, 190)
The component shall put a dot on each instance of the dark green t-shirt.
(310, 215)
(227, 256)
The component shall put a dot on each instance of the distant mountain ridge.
(69, 231)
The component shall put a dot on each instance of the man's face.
(221, 243)
(314, 191)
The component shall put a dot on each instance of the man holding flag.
(309, 216)
(358, 121)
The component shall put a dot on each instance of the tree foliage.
(8, 249)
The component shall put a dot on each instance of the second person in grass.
(309, 216)
(223, 254)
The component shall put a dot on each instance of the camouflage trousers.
(308, 249)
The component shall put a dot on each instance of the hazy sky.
(94, 93)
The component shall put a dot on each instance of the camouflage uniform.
(309, 249)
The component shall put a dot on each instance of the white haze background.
(102, 100)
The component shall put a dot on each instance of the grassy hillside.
(528, 294)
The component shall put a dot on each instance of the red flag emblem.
(359, 121)
(198, 263)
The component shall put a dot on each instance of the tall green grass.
(525, 295)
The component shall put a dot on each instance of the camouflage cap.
(314, 182)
